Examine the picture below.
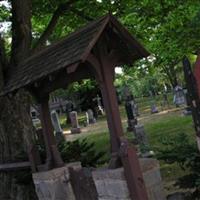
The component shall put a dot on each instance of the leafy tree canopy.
(169, 29)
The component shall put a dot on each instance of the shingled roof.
(70, 50)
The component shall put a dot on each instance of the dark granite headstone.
(179, 96)
(131, 113)
(69, 108)
(154, 109)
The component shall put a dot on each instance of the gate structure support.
(121, 150)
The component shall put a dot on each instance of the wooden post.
(104, 68)
(132, 171)
(53, 158)
(129, 157)
(112, 111)
(192, 84)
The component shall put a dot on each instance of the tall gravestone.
(179, 96)
(87, 119)
(56, 124)
(142, 139)
(91, 118)
(74, 122)
(131, 112)
(69, 108)
(154, 108)
(165, 101)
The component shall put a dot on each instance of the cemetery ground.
(161, 128)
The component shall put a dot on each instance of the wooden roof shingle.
(55, 57)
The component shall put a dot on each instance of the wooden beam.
(53, 157)
(132, 171)
(128, 153)
(15, 166)
(125, 33)
(61, 80)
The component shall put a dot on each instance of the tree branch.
(81, 14)
(52, 24)
(21, 30)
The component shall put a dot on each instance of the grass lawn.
(158, 127)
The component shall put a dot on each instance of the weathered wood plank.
(15, 166)
(83, 184)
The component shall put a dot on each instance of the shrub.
(72, 151)
(185, 153)
(81, 150)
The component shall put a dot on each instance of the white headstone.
(56, 122)
(87, 119)
(91, 118)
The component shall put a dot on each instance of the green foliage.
(81, 93)
(81, 150)
(179, 149)
(72, 151)
(169, 29)
(141, 79)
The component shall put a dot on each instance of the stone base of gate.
(55, 184)
(111, 184)
(73, 182)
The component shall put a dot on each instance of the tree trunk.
(16, 130)
(171, 74)
(16, 133)
(21, 31)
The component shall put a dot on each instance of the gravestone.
(91, 118)
(56, 125)
(179, 96)
(86, 123)
(188, 109)
(154, 108)
(141, 138)
(74, 122)
(165, 101)
(69, 108)
(131, 112)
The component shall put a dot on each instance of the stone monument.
(56, 124)
(141, 139)
(132, 112)
(179, 96)
(74, 123)
(91, 118)
(154, 108)
(86, 122)
(69, 108)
